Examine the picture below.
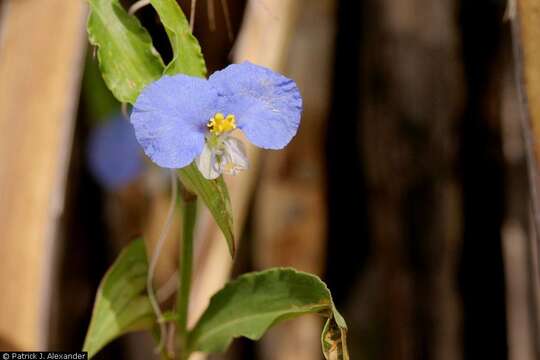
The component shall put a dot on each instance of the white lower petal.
(234, 157)
(207, 164)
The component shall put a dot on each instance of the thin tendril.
(138, 5)
(192, 14)
(154, 260)
(227, 19)
(211, 15)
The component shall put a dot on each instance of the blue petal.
(170, 117)
(114, 155)
(267, 105)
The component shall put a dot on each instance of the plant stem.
(189, 214)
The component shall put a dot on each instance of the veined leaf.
(254, 302)
(187, 55)
(216, 197)
(127, 58)
(121, 304)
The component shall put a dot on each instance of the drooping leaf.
(127, 58)
(251, 304)
(216, 197)
(187, 55)
(334, 338)
(121, 304)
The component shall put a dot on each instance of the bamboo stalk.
(41, 52)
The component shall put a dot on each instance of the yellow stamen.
(220, 124)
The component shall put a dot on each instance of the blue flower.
(114, 155)
(179, 119)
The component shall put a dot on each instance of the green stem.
(189, 214)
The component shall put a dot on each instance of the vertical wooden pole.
(526, 40)
(410, 104)
(41, 50)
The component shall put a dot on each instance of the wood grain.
(411, 99)
(41, 47)
(526, 39)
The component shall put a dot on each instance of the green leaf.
(187, 55)
(127, 58)
(121, 304)
(254, 302)
(216, 197)
(334, 338)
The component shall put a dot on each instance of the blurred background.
(406, 189)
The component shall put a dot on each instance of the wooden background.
(411, 187)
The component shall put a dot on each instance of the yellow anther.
(220, 124)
